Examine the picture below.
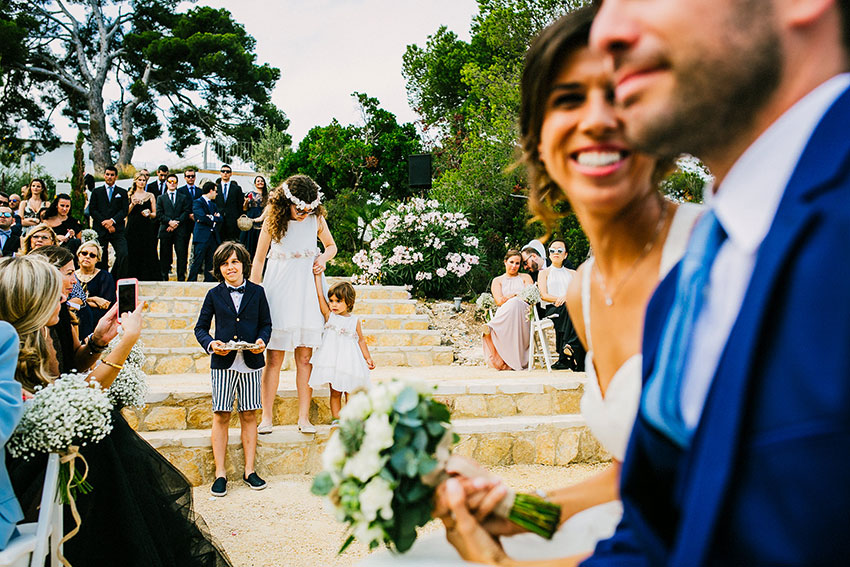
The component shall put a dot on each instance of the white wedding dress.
(610, 419)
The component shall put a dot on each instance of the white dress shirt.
(745, 205)
(238, 362)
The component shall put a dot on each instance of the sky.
(326, 50)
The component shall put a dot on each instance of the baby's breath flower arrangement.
(130, 387)
(384, 462)
(420, 243)
(530, 294)
(484, 305)
(87, 235)
(64, 415)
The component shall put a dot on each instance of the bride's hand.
(464, 532)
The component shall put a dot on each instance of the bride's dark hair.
(279, 213)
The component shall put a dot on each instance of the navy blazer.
(100, 208)
(194, 194)
(252, 322)
(11, 410)
(766, 480)
(205, 228)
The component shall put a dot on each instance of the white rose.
(381, 398)
(395, 387)
(379, 432)
(334, 454)
(357, 408)
(364, 465)
(376, 496)
(367, 535)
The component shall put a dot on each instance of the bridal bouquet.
(60, 418)
(130, 387)
(384, 462)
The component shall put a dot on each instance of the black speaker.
(419, 171)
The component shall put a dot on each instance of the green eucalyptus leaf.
(322, 484)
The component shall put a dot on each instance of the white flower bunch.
(130, 387)
(377, 462)
(415, 241)
(530, 294)
(70, 411)
(88, 235)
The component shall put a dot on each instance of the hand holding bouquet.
(382, 466)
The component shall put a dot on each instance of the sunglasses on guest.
(227, 171)
(557, 250)
(5, 215)
(85, 254)
(299, 211)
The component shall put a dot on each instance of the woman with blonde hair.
(38, 236)
(142, 232)
(140, 511)
(98, 285)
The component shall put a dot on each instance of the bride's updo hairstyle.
(543, 62)
(30, 289)
(303, 188)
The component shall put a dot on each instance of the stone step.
(171, 338)
(180, 360)
(184, 401)
(166, 304)
(199, 289)
(412, 322)
(549, 440)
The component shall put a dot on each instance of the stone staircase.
(395, 333)
(527, 418)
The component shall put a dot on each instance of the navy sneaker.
(254, 481)
(219, 487)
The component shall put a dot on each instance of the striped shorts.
(246, 387)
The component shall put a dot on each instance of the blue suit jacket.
(205, 228)
(11, 409)
(767, 478)
(252, 322)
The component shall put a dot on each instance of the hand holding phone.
(128, 295)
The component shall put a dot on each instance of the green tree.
(267, 152)
(78, 172)
(198, 66)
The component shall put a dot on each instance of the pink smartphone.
(128, 295)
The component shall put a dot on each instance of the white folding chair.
(31, 546)
(537, 329)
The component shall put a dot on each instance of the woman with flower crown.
(295, 222)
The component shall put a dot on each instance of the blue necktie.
(109, 194)
(661, 403)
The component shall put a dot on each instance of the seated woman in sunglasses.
(98, 285)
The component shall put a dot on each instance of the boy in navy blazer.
(241, 314)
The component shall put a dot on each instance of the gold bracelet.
(113, 365)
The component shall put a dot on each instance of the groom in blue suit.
(741, 451)
(740, 454)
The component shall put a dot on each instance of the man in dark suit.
(10, 232)
(205, 234)
(108, 210)
(157, 186)
(173, 214)
(230, 202)
(192, 192)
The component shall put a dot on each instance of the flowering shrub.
(423, 244)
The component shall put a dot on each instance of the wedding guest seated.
(11, 410)
(553, 283)
(37, 236)
(139, 512)
(97, 285)
(506, 335)
(10, 233)
(534, 258)
(58, 217)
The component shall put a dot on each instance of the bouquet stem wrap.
(76, 479)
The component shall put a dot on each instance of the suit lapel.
(225, 296)
(716, 441)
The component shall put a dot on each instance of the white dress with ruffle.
(291, 289)
(339, 361)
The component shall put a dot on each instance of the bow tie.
(6, 233)
(240, 289)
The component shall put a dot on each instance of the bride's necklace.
(609, 297)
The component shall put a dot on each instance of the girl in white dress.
(575, 149)
(343, 361)
(288, 248)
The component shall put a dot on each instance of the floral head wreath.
(298, 202)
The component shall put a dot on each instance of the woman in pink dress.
(506, 336)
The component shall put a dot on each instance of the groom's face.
(689, 74)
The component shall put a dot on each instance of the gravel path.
(286, 526)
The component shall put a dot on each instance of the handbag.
(245, 223)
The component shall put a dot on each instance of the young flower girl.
(293, 226)
(343, 360)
